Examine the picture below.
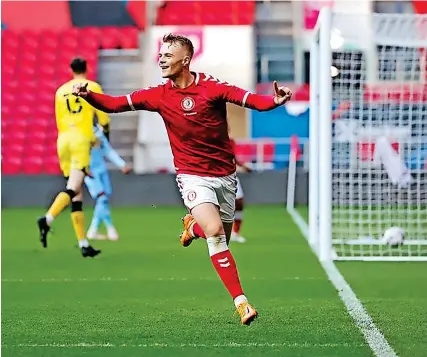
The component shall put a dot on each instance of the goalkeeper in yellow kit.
(74, 119)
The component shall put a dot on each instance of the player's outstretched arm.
(100, 101)
(144, 99)
(258, 102)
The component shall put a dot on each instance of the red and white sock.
(224, 264)
(238, 219)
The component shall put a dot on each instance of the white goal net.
(376, 177)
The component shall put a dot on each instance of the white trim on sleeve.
(130, 102)
(245, 97)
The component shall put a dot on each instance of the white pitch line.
(109, 279)
(373, 336)
(181, 345)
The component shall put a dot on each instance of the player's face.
(173, 58)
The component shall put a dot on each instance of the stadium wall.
(268, 187)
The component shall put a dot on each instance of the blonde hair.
(182, 40)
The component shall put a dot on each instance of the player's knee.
(76, 206)
(213, 229)
(71, 193)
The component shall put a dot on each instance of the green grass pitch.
(145, 295)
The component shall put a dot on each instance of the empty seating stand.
(206, 13)
(34, 65)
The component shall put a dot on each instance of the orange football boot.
(247, 313)
(187, 236)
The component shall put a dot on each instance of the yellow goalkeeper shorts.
(73, 152)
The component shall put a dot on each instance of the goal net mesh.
(379, 173)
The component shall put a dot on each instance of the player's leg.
(80, 148)
(208, 217)
(94, 186)
(200, 196)
(226, 193)
(63, 198)
(238, 215)
(106, 218)
(78, 220)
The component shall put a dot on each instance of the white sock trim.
(83, 243)
(49, 219)
(239, 299)
(217, 244)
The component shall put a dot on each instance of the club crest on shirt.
(187, 103)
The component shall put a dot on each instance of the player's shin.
(224, 264)
(78, 219)
(61, 201)
(106, 218)
(98, 215)
(106, 212)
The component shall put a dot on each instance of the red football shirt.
(195, 119)
(196, 122)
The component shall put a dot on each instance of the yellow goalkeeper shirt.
(74, 113)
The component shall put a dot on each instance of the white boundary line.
(373, 336)
(180, 345)
(110, 279)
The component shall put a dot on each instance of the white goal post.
(368, 136)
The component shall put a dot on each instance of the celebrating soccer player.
(193, 108)
(99, 185)
(74, 119)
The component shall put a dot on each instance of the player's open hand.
(80, 89)
(247, 169)
(281, 94)
(126, 170)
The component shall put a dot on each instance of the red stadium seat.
(70, 34)
(37, 139)
(44, 110)
(24, 111)
(11, 165)
(47, 57)
(206, 13)
(8, 99)
(7, 70)
(14, 150)
(129, 37)
(90, 31)
(28, 59)
(32, 165)
(4, 125)
(35, 149)
(10, 86)
(29, 98)
(10, 42)
(49, 40)
(110, 38)
(46, 72)
(6, 112)
(51, 165)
